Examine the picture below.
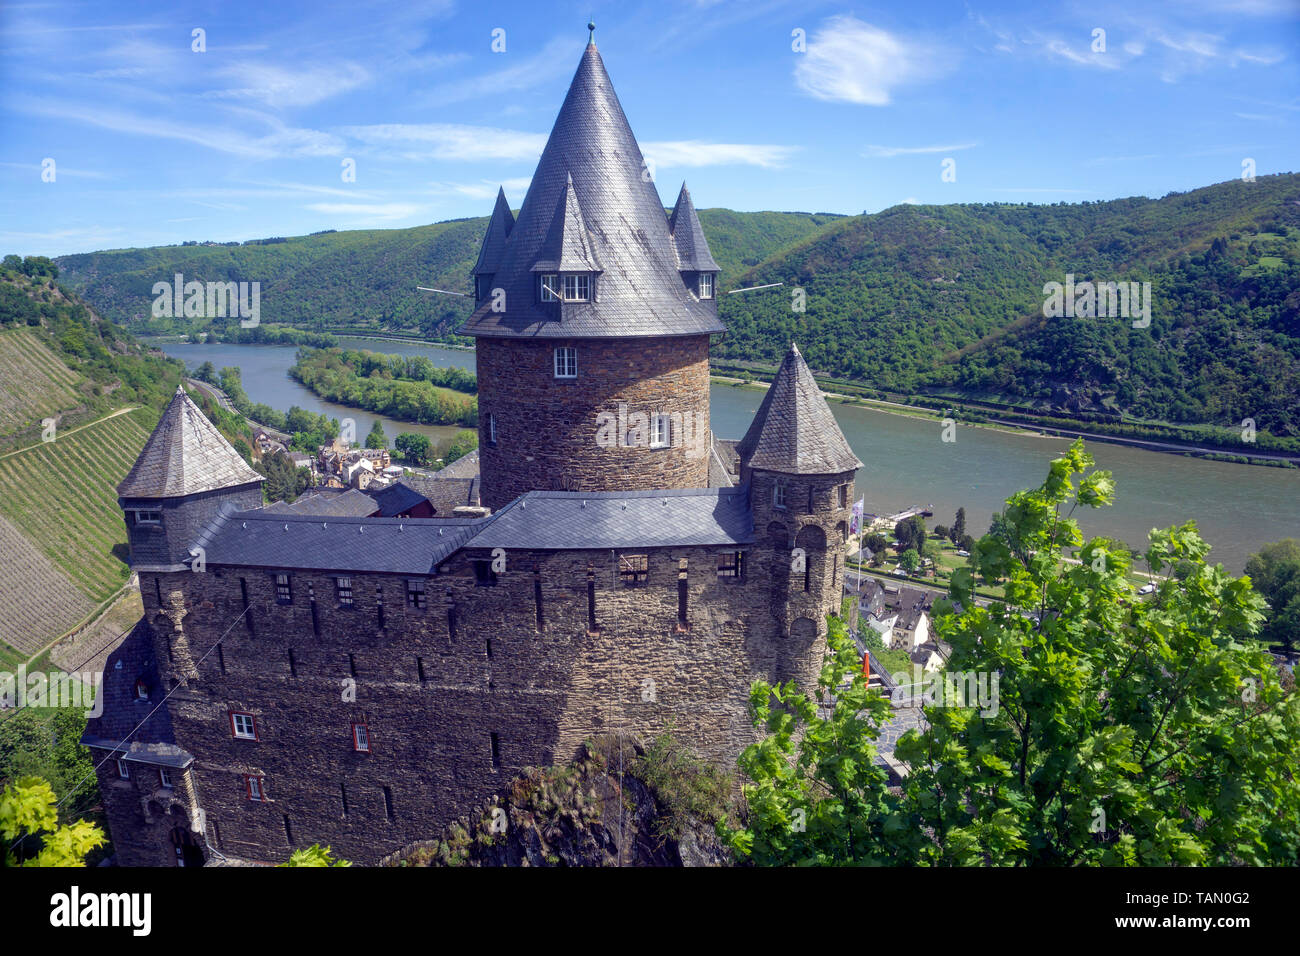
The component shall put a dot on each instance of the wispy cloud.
(851, 61)
(59, 171)
(368, 212)
(553, 61)
(485, 188)
(700, 153)
(280, 86)
(888, 152)
(450, 140)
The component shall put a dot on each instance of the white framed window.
(778, 494)
(661, 431)
(706, 285)
(243, 726)
(148, 517)
(344, 586)
(550, 288)
(361, 738)
(492, 429)
(577, 288)
(122, 770)
(566, 362)
(165, 778)
(283, 595)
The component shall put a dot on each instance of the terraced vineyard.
(61, 496)
(34, 382)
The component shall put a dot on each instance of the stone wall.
(547, 428)
(434, 685)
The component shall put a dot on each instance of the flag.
(856, 524)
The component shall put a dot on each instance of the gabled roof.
(640, 292)
(185, 455)
(567, 247)
(794, 431)
(395, 499)
(688, 237)
(564, 520)
(498, 231)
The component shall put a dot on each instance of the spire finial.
(591, 32)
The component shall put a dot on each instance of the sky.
(129, 123)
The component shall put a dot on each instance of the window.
(633, 569)
(256, 787)
(165, 778)
(731, 564)
(415, 595)
(122, 771)
(706, 285)
(282, 593)
(577, 288)
(550, 288)
(344, 586)
(844, 496)
(361, 738)
(492, 429)
(148, 517)
(778, 494)
(484, 576)
(566, 362)
(141, 690)
(661, 431)
(243, 726)
(482, 286)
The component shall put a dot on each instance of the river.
(905, 461)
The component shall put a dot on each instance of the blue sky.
(156, 143)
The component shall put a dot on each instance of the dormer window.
(577, 288)
(706, 285)
(550, 288)
(141, 690)
(148, 517)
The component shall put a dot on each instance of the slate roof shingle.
(185, 455)
(793, 431)
(688, 236)
(640, 291)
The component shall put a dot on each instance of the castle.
(360, 682)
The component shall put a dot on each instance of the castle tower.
(592, 319)
(799, 469)
(185, 473)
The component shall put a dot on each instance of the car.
(963, 554)
(1146, 589)
(900, 572)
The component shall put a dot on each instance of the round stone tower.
(593, 317)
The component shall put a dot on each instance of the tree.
(27, 809)
(909, 561)
(876, 543)
(207, 372)
(376, 438)
(940, 532)
(284, 481)
(958, 529)
(461, 445)
(414, 447)
(1118, 731)
(910, 532)
(1275, 573)
(314, 855)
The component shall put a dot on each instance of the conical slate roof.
(498, 231)
(688, 237)
(568, 246)
(794, 431)
(640, 292)
(184, 456)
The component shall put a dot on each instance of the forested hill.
(936, 300)
(366, 279)
(949, 300)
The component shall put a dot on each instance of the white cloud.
(451, 140)
(486, 188)
(278, 86)
(370, 212)
(555, 60)
(888, 152)
(699, 153)
(851, 61)
(1100, 61)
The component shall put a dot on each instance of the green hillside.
(365, 280)
(62, 537)
(947, 300)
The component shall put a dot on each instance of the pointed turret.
(185, 455)
(592, 162)
(568, 246)
(185, 474)
(494, 241)
(794, 431)
(688, 237)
